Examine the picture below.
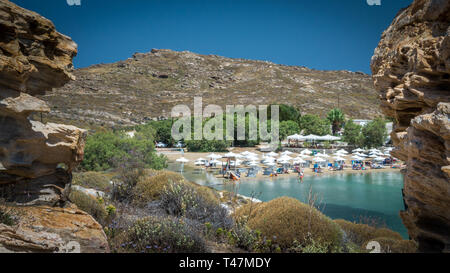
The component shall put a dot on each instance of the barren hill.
(147, 86)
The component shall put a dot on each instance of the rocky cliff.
(411, 71)
(147, 86)
(36, 159)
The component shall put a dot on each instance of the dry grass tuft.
(286, 220)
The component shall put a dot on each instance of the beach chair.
(268, 171)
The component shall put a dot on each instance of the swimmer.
(301, 175)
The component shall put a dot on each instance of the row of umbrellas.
(297, 137)
(285, 157)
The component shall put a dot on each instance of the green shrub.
(286, 220)
(7, 216)
(312, 246)
(390, 245)
(375, 133)
(313, 124)
(104, 148)
(129, 171)
(288, 128)
(244, 237)
(93, 180)
(181, 199)
(163, 235)
(163, 130)
(352, 133)
(90, 205)
(360, 233)
(150, 186)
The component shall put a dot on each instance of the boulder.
(53, 230)
(411, 71)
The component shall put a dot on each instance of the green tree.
(286, 112)
(288, 128)
(336, 117)
(352, 133)
(375, 133)
(207, 146)
(163, 131)
(313, 124)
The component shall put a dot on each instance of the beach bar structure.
(311, 138)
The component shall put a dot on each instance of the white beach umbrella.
(323, 155)
(252, 157)
(182, 160)
(269, 159)
(215, 161)
(304, 156)
(287, 153)
(339, 159)
(355, 157)
(272, 154)
(342, 151)
(329, 138)
(253, 163)
(312, 137)
(359, 150)
(270, 164)
(199, 162)
(299, 161)
(295, 137)
(285, 157)
(246, 153)
(236, 163)
(231, 155)
(201, 159)
(379, 159)
(306, 152)
(319, 159)
(373, 156)
(214, 156)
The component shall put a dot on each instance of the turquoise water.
(340, 196)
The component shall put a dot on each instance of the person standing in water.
(301, 175)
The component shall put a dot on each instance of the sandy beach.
(192, 157)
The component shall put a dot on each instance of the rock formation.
(46, 229)
(36, 159)
(411, 70)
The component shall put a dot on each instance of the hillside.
(147, 86)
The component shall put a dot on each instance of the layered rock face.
(50, 230)
(36, 159)
(411, 70)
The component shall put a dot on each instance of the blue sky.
(319, 34)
